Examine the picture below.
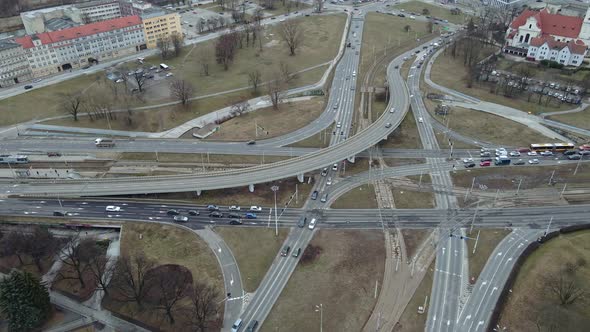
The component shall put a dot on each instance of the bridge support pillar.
(251, 188)
(198, 192)
(300, 178)
(351, 159)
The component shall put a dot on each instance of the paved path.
(580, 108)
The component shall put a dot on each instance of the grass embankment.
(532, 306)
(411, 320)
(578, 119)
(362, 197)
(488, 240)
(433, 11)
(254, 250)
(340, 274)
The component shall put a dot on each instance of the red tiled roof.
(577, 47)
(551, 24)
(80, 31)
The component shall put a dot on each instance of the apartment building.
(56, 51)
(14, 65)
(101, 10)
(159, 23)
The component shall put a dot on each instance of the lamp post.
(274, 190)
(320, 308)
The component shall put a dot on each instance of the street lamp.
(320, 308)
(274, 190)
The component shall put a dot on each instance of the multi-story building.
(14, 65)
(100, 10)
(56, 51)
(159, 23)
(134, 7)
(551, 33)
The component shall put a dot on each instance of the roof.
(80, 31)
(551, 24)
(576, 48)
(7, 44)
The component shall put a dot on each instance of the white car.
(534, 161)
(311, 224)
(392, 110)
(338, 125)
(514, 153)
(420, 120)
(255, 208)
(546, 153)
(335, 167)
(467, 160)
(113, 208)
(169, 75)
(531, 153)
(234, 208)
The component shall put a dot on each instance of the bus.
(552, 147)
(13, 159)
(164, 66)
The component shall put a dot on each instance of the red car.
(523, 150)
(485, 163)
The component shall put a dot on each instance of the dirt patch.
(342, 278)
(411, 320)
(405, 136)
(318, 140)
(411, 199)
(362, 197)
(532, 306)
(393, 162)
(413, 239)
(254, 250)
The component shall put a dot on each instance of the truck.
(502, 160)
(104, 143)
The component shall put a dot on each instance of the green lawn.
(433, 11)
(362, 197)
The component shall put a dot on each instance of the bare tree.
(182, 90)
(276, 91)
(102, 272)
(425, 11)
(73, 103)
(565, 286)
(318, 5)
(225, 49)
(171, 282)
(14, 243)
(177, 41)
(407, 28)
(77, 255)
(164, 45)
(258, 15)
(131, 278)
(42, 244)
(204, 307)
(286, 72)
(255, 77)
(139, 79)
(292, 35)
(240, 108)
(429, 26)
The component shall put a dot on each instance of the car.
(329, 182)
(27, 87)
(120, 80)
(234, 208)
(252, 327)
(314, 195)
(388, 125)
(533, 161)
(392, 110)
(546, 153)
(235, 222)
(485, 159)
(153, 67)
(396, 67)
(60, 213)
(297, 252)
(485, 163)
(338, 125)
(172, 212)
(285, 251)
(233, 215)
(53, 154)
(216, 214)
(193, 212)
(301, 222)
(324, 171)
(250, 215)
(420, 120)
(335, 167)
(324, 198)
(237, 325)
(252, 142)
(523, 150)
(569, 152)
(531, 153)
(158, 70)
(469, 165)
(181, 218)
(519, 162)
(113, 208)
(312, 224)
(574, 157)
(212, 207)
(86, 67)
(169, 75)
(467, 160)
(150, 76)
(352, 88)
(273, 18)
(514, 153)
(584, 152)
(255, 208)
(485, 154)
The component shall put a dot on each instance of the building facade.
(551, 33)
(102, 10)
(159, 24)
(134, 7)
(56, 51)
(14, 65)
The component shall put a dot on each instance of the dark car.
(216, 214)
(252, 327)
(486, 159)
(27, 87)
(250, 215)
(301, 222)
(297, 252)
(314, 195)
(235, 222)
(574, 157)
(193, 212)
(53, 154)
(469, 165)
(212, 207)
(252, 142)
(233, 215)
(172, 212)
(285, 251)
(569, 152)
(60, 213)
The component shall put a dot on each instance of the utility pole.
(476, 240)
(320, 308)
(548, 226)
(562, 191)
(518, 189)
(274, 190)
(496, 197)
(578, 164)
(551, 178)
(473, 220)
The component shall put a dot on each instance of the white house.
(547, 48)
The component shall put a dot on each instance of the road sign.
(274, 188)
